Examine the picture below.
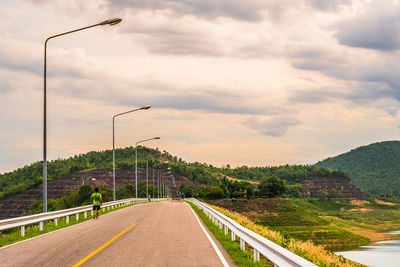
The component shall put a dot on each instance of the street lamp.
(147, 171)
(158, 176)
(162, 183)
(154, 138)
(106, 22)
(119, 114)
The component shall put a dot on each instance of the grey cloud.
(4, 87)
(202, 100)
(242, 10)
(367, 79)
(163, 35)
(364, 93)
(182, 45)
(27, 57)
(317, 95)
(177, 36)
(161, 94)
(380, 31)
(273, 126)
(375, 76)
(328, 5)
(392, 110)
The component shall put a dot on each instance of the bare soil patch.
(361, 209)
(357, 202)
(384, 203)
(235, 179)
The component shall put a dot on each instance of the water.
(380, 254)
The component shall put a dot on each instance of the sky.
(257, 83)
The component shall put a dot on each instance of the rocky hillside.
(330, 187)
(18, 205)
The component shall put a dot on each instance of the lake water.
(380, 254)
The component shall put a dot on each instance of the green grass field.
(338, 224)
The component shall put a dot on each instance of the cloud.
(365, 76)
(162, 94)
(4, 87)
(273, 126)
(25, 56)
(329, 5)
(248, 10)
(315, 95)
(379, 31)
(161, 34)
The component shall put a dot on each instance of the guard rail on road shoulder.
(273, 252)
(55, 215)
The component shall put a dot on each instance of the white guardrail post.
(278, 255)
(40, 218)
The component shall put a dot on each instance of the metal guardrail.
(55, 215)
(273, 252)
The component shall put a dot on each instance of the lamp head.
(146, 107)
(111, 22)
(157, 137)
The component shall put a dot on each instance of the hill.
(18, 205)
(21, 190)
(375, 168)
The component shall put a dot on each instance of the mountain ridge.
(375, 168)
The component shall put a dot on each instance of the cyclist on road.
(97, 201)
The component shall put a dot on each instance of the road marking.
(221, 257)
(103, 246)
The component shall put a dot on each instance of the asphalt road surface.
(154, 234)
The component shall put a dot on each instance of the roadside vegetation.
(239, 257)
(314, 253)
(336, 224)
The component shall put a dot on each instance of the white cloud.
(223, 77)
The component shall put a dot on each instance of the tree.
(272, 187)
(215, 192)
(85, 192)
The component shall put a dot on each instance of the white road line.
(221, 257)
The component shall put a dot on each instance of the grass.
(11, 236)
(338, 224)
(308, 250)
(239, 257)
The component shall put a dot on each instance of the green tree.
(85, 192)
(272, 187)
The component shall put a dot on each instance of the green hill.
(211, 177)
(374, 168)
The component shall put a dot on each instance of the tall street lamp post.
(147, 171)
(106, 22)
(138, 142)
(113, 123)
(161, 183)
(158, 176)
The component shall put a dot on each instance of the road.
(156, 234)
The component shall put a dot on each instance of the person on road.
(97, 201)
(148, 198)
